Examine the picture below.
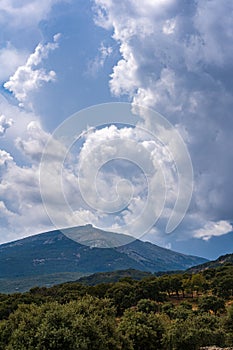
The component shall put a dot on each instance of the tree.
(147, 306)
(198, 282)
(211, 303)
(229, 327)
(194, 332)
(79, 325)
(123, 295)
(148, 288)
(224, 286)
(176, 284)
(168, 309)
(165, 284)
(143, 331)
(187, 285)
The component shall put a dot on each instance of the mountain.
(55, 258)
(96, 238)
(222, 260)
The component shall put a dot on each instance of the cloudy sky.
(58, 57)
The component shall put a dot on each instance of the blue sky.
(60, 56)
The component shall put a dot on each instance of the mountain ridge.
(220, 261)
(52, 253)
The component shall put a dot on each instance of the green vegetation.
(180, 311)
(113, 276)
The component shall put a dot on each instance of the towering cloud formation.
(176, 57)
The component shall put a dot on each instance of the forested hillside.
(180, 311)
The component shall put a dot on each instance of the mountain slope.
(224, 259)
(53, 253)
(154, 258)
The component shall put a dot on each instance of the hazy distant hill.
(224, 259)
(53, 253)
(113, 276)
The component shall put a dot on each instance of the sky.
(168, 63)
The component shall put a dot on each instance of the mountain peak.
(55, 253)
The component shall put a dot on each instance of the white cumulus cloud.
(4, 124)
(98, 63)
(5, 157)
(213, 229)
(30, 76)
